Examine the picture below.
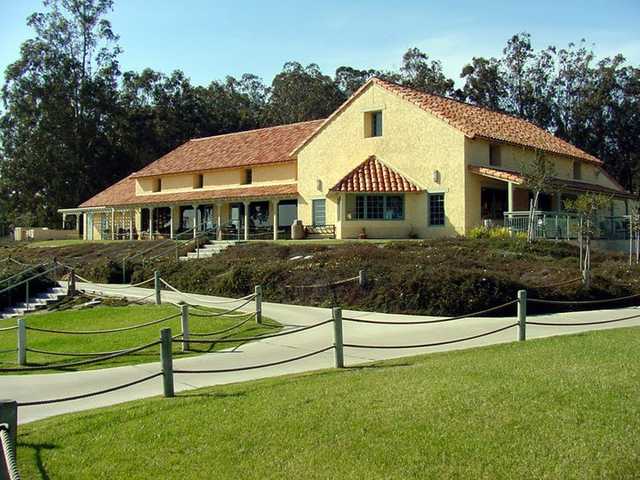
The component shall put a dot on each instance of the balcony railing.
(566, 226)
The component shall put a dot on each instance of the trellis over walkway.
(226, 219)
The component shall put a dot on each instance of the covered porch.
(505, 201)
(255, 218)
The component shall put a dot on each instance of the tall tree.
(301, 93)
(59, 107)
(484, 84)
(419, 72)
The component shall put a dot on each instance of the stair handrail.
(163, 243)
(56, 266)
(22, 272)
(198, 237)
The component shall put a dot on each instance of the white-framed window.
(436, 209)
(318, 211)
(373, 124)
(495, 159)
(375, 207)
(577, 170)
(198, 180)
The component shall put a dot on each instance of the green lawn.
(559, 408)
(108, 317)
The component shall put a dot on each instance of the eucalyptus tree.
(59, 109)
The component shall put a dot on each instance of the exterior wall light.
(436, 176)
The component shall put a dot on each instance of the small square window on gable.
(247, 179)
(495, 159)
(577, 170)
(156, 186)
(198, 181)
(373, 124)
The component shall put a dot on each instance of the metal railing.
(566, 226)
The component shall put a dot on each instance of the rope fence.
(433, 344)
(185, 338)
(79, 363)
(98, 332)
(584, 302)
(205, 301)
(427, 322)
(9, 452)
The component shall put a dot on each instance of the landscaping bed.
(562, 407)
(439, 277)
(111, 317)
(434, 277)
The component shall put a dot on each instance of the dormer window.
(495, 159)
(157, 185)
(373, 124)
(577, 170)
(198, 181)
(248, 177)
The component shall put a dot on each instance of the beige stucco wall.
(514, 158)
(414, 143)
(263, 175)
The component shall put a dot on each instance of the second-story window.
(373, 124)
(248, 177)
(157, 185)
(494, 155)
(198, 181)
(577, 170)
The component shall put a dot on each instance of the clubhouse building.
(391, 162)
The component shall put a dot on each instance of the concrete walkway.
(55, 385)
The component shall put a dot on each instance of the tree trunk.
(533, 207)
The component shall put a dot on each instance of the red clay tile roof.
(123, 194)
(253, 147)
(374, 176)
(472, 121)
(481, 122)
(120, 193)
(563, 184)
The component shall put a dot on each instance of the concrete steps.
(37, 302)
(211, 249)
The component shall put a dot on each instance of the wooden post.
(337, 337)
(22, 342)
(9, 417)
(156, 285)
(258, 301)
(184, 318)
(26, 300)
(522, 315)
(362, 278)
(71, 291)
(166, 360)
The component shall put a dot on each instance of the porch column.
(151, 209)
(219, 221)
(113, 224)
(171, 225)
(78, 215)
(246, 220)
(275, 204)
(195, 220)
(510, 191)
(131, 216)
(64, 218)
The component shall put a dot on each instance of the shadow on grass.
(210, 395)
(37, 451)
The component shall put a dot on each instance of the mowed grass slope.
(110, 317)
(564, 407)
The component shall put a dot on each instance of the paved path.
(53, 385)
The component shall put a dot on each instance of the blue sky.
(210, 39)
